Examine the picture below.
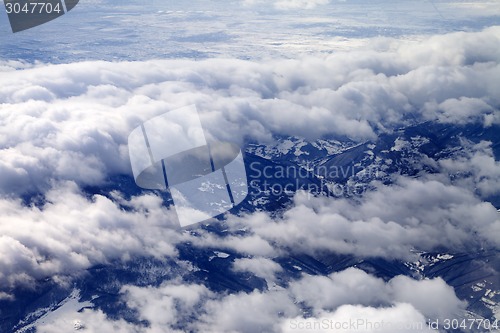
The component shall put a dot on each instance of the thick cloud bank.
(65, 127)
(70, 122)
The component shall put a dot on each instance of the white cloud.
(388, 222)
(166, 306)
(351, 286)
(255, 311)
(70, 233)
(463, 110)
(475, 168)
(433, 298)
(356, 318)
(261, 267)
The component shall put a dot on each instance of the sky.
(72, 90)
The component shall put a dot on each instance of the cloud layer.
(65, 127)
(71, 122)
